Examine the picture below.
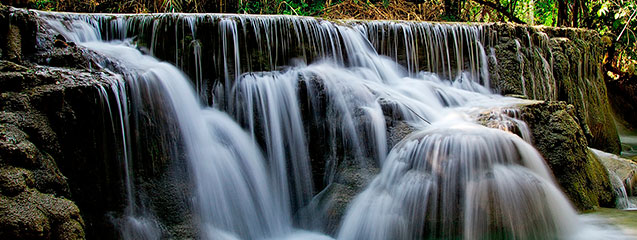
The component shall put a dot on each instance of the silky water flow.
(244, 127)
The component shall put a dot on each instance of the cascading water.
(450, 179)
(233, 199)
(460, 180)
(623, 177)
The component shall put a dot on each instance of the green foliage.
(617, 19)
(172, 6)
(545, 12)
(43, 5)
(250, 7)
(289, 7)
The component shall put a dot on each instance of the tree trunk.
(501, 9)
(575, 11)
(562, 13)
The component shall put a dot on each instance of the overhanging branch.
(500, 9)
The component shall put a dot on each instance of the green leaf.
(603, 10)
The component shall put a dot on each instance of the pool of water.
(625, 220)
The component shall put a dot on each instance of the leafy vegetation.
(303, 8)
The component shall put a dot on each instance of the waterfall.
(623, 177)
(457, 179)
(275, 106)
(233, 197)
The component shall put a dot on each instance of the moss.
(558, 64)
(14, 180)
(558, 137)
(14, 44)
(598, 183)
(15, 149)
(34, 215)
(22, 221)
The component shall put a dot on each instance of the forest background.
(615, 20)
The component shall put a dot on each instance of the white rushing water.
(623, 177)
(251, 167)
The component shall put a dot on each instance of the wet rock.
(7, 66)
(397, 132)
(14, 180)
(22, 220)
(35, 126)
(34, 215)
(14, 44)
(557, 136)
(64, 55)
(330, 205)
(38, 116)
(18, 33)
(60, 41)
(11, 81)
(557, 64)
(624, 169)
(15, 149)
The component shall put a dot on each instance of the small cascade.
(520, 57)
(277, 106)
(231, 186)
(506, 119)
(267, 104)
(229, 45)
(137, 223)
(623, 176)
(459, 180)
(453, 51)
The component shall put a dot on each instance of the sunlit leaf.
(603, 10)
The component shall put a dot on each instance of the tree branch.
(501, 9)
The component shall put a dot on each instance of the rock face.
(47, 116)
(557, 64)
(557, 136)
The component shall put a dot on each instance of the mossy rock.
(14, 180)
(15, 149)
(556, 64)
(558, 137)
(34, 215)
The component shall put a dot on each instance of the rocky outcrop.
(623, 173)
(561, 64)
(556, 133)
(330, 205)
(43, 103)
(34, 193)
(557, 136)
